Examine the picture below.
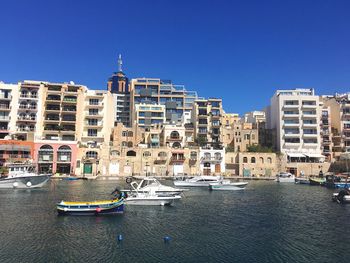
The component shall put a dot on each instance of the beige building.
(7, 109)
(228, 119)
(240, 136)
(252, 164)
(339, 110)
(206, 118)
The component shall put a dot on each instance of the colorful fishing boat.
(317, 181)
(114, 206)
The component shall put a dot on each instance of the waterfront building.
(118, 85)
(56, 157)
(212, 161)
(6, 107)
(228, 119)
(173, 135)
(326, 133)
(98, 117)
(240, 136)
(295, 114)
(14, 151)
(147, 115)
(206, 118)
(255, 117)
(339, 112)
(175, 98)
(252, 164)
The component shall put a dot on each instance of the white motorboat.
(227, 185)
(22, 176)
(284, 177)
(204, 180)
(148, 184)
(342, 197)
(149, 198)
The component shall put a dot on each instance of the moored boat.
(317, 181)
(114, 206)
(302, 180)
(342, 197)
(149, 198)
(204, 180)
(23, 176)
(227, 185)
(148, 184)
(284, 177)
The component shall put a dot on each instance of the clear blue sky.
(241, 51)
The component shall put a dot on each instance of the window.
(92, 132)
(252, 160)
(147, 154)
(93, 112)
(130, 144)
(92, 122)
(269, 160)
(124, 133)
(245, 159)
(115, 153)
(93, 101)
(261, 160)
(92, 154)
(217, 156)
(131, 153)
(162, 154)
(64, 154)
(193, 156)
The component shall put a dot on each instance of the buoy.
(167, 239)
(29, 184)
(120, 237)
(98, 210)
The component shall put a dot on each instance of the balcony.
(291, 124)
(4, 118)
(68, 118)
(289, 116)
(52, 108)
(310, 135)
(290, 106)
(215, 116)
(310, 125)
(69, 109)
(291, 135)
(308, 106)
(3, 97)
(177, 160)
(174, 138)
(68, 100)
(4, 107)
(215, 160)
(27, 108)
(53, 99)
(26, 119)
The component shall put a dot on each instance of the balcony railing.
(174, 138)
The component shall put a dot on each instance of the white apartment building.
(295, 114)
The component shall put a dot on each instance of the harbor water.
(266, 222)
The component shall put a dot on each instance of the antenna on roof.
(120, 63)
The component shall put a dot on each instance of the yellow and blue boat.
(114, 206)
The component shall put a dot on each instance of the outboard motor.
(341, 194)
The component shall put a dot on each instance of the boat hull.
(153, 201)
(285, 180)
(228, 186)
(316, 181)
(344, 199)
(24, 182)
(302, 181)
(94, 208)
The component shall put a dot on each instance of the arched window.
(130, 133)
(115, 153)
(245, 159)
(131, 153)
(64, 154)
(252, 160)
(23, 105)
(130, 144)
(32, 106)
(147, 154)
(217, 156)
(124, 133)
(22, 116)
(46, 153)
(162, 154)
(32, 116)
(261, 160)
(176, 145)
(31, 127)
(174, 135)
(193, 156)
(269, 160)
(207, 156)
(91, 155)
(124, 144)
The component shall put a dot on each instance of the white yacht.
(284, 177)
(148, 198)
(148, 184)
(22, 176)
(203, 180)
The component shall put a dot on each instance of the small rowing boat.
(103, 207)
